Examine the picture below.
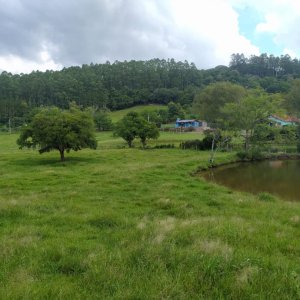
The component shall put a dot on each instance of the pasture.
(119, 223)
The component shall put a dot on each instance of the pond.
(280, 177)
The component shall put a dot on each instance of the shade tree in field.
(52, 128)
(127, 128)
(103, 121)
(133, 126)
(147, 131)
(210, 101)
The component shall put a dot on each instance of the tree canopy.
(52, 128)
(246, 114)
(120, 85)
(134, 126)
(210, 101)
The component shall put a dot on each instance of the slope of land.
(119, 114)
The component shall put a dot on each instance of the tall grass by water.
(118, 223)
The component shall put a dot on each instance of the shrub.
(266, 197)
(252, 154)
(164, 146)
(298, 146)
(194, 144)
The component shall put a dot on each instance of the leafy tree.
(147, 131)
(128, 127)
(63, 130)
(134, 125)
(103, 121)
(153, 116)
(293, 98)
(210, 101)
(175, 111)
(246, 114)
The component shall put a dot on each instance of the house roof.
(286, 119)
(187, 121)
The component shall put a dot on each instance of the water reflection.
(280, 178)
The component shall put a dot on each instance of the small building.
(190, 123)
(280, 121)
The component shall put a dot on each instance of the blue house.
(190, 123)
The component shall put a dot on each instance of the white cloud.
(290, 52)
(205, 32)
(17, 64)
(281, 21)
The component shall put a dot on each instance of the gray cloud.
(84, 31)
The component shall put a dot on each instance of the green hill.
(119, 114)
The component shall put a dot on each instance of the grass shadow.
(53, 161)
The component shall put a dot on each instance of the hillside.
(119, 114)
(121, 85)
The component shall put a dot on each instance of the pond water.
(280, 177)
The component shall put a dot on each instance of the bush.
(252, 154)
(103, 121)
(298, 146)
(195, 145)
(267, 197)
(164, 146)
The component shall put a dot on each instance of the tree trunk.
(62, 154)
(246, 146)
(212, 153)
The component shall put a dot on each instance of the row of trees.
(52, 128)
(229, 108)
(265, 65)
(232, 107)
(124, 84)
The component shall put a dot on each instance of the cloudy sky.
(40, 34)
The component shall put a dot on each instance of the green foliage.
(204, 144)
(298, 146)
(164, 146)
(175, 111)
(55, 129)
(141, 109)
(134, 126)
(103, 121)
(128, 127)
(154, 116)
(266, 197)
(147, 131)
(210, 101)
(252, 154)
(246, 114)
(264, 133)
(265, 65)
(293, 98)
(120, 85)
(216, 137)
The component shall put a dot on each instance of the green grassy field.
(119, 114)
(118, 223)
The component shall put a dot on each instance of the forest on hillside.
(120, 85)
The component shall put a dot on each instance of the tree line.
(125, 84)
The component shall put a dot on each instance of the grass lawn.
(119, 223)
(119, 114)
